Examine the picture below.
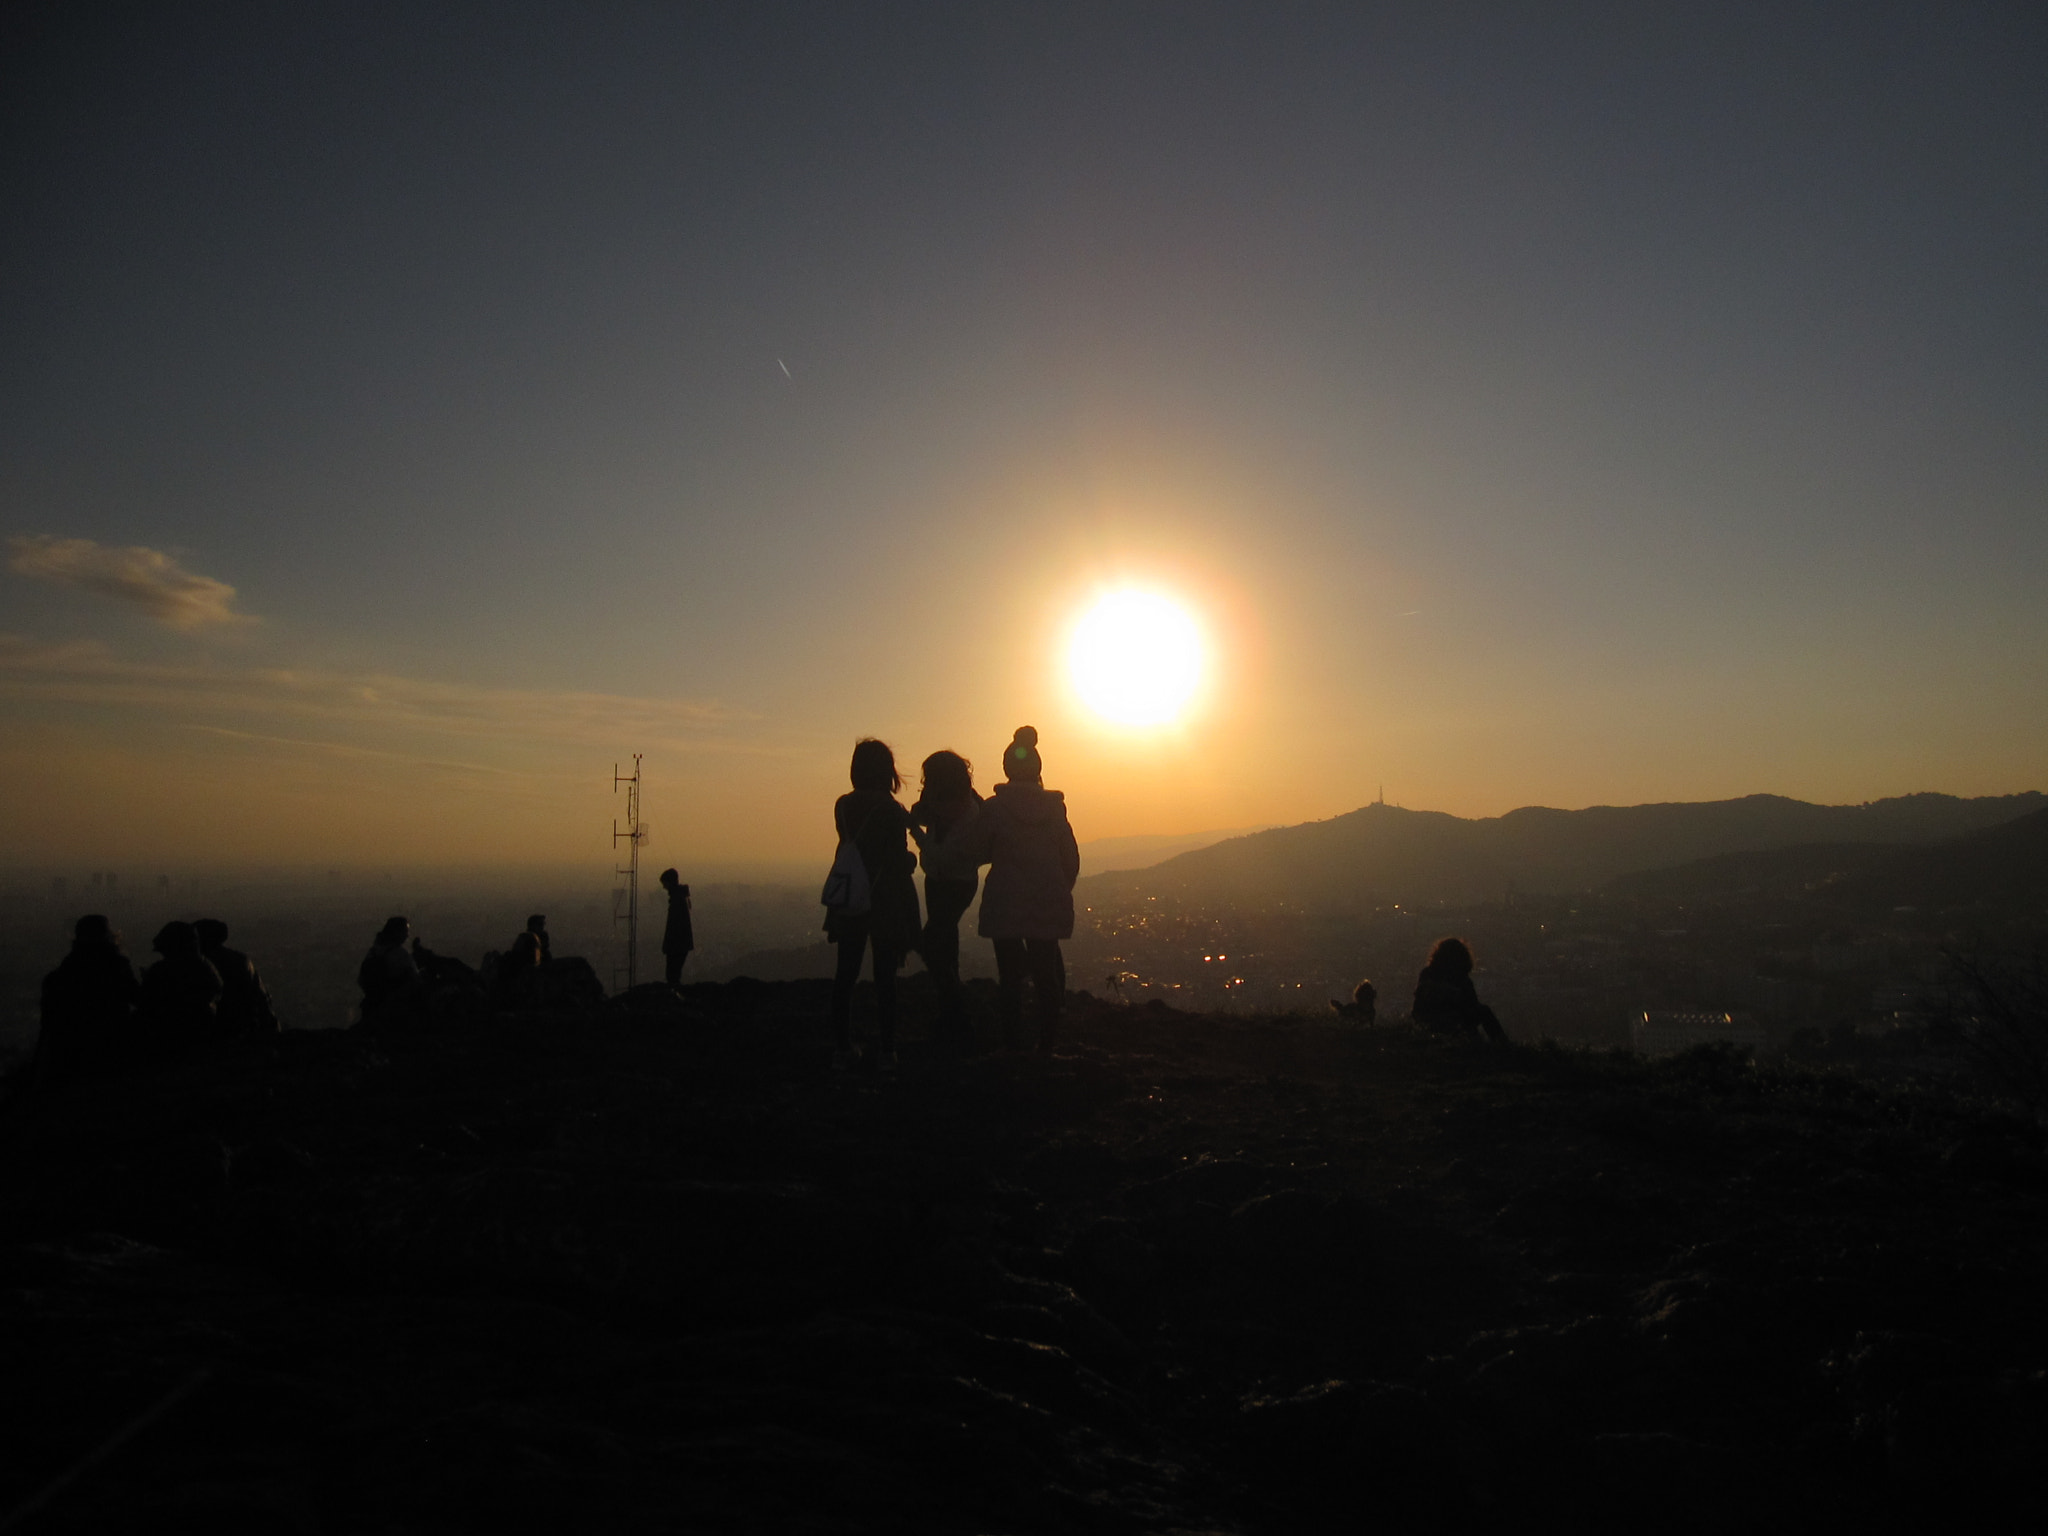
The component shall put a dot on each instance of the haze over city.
(408, 412)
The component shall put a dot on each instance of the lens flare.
(1136, 658)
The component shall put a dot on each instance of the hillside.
(1105, 855)
(658, 1269)
(2004, 866)
(1384, 853)
(1801, 871)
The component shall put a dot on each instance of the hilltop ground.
(658, 1269)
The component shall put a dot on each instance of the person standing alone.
(1027, 904)
(677, 940)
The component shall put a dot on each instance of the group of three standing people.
(1020, 832)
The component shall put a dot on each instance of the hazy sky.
(1535, 404)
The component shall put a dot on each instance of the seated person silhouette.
(1445, 999)
(180, 1003)
(518, 982)
(537, 925)
(388, 975)
(244, 1000)
(437, 969)
(1364, 1004)
(88, 1007)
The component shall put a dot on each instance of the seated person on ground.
(88, 1006)
(1446, 1000)
(180, 1003)
(1363, 1006)
(388, 975)
(517, 984)
(244, 1000)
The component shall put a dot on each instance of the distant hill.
(806, 963)
(1807, 869)
(1101, 855)
(2004, 866)
(1384, 853)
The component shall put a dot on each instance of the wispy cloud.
(355, 703)
(144, 578)
(346, 750)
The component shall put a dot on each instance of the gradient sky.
(1536, 404)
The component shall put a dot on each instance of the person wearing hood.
(88, 1006)
(942, 822)
(1027, 904)
(880, 909)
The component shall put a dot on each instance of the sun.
(1136, 658)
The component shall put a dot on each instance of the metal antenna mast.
(634, 834)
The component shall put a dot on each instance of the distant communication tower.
(634, 833)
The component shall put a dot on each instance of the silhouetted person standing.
(537, 925)
(244, 1000)
(677, 938)
(88, 1007)
(1446, 1000)
(180, 1003)
(1027, 906)
(873, 843)
(388, 974)
(942, 822)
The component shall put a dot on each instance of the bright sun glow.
(1136, 658)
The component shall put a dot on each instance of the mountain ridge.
(1383, 852)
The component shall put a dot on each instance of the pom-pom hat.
(1022, 760)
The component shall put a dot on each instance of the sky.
(409, 412)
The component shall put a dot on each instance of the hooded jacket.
(88, 1002)
(1023, 836)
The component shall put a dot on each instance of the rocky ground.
(656, 1267)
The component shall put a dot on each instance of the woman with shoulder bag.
(873, 853)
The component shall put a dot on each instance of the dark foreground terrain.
(657, 1269)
